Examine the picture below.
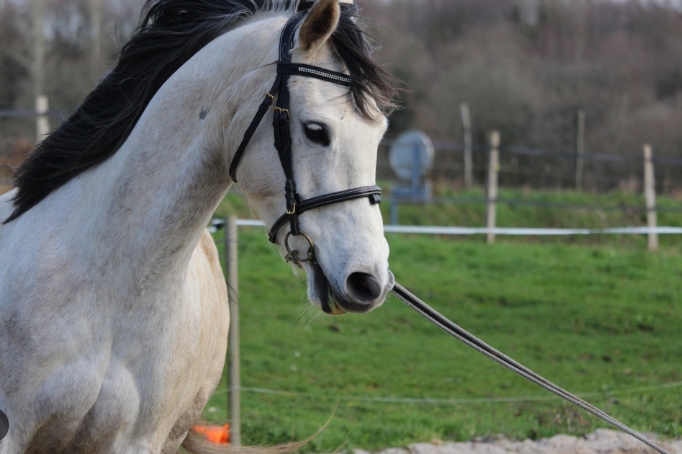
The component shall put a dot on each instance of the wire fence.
(543, 152)
(546, 168)
(552, 205)
(607, 394)
(30, 114)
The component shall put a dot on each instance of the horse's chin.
(320, 292)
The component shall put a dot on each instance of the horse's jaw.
(350, 271)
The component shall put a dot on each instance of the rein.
(472, 341)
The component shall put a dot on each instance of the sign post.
(410, 157)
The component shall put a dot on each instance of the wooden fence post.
(42, 123)
(650, 197)
(466, 132)
(38, 13)
(493, 169)
(580, 150)
(96, 7)
(234, 385)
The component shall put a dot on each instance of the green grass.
(593, 319)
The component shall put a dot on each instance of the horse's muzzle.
(362, 292)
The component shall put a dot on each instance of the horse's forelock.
(372, 86)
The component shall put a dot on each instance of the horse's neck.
(143, 210)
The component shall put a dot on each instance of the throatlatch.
(295, 204)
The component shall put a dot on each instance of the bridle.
(295, 204)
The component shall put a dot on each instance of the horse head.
(335, 132)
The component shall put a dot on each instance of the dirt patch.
(601, 441)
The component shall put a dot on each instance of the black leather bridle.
(295, 204)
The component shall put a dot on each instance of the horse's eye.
(317, 133)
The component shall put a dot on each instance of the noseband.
(295, 204)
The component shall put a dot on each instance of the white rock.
(457, 448)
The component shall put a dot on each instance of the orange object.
(219, 435)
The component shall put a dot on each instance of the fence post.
(580, 150)
(493, 169)
(231, 244)
(650, 197)
(466, 132)
(42, 123)
(95, 39)
(38, 13)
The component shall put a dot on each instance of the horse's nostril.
(363, 287)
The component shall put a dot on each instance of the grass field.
(597, 319)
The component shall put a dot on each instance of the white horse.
(113, 307)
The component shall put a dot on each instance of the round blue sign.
(411, 155)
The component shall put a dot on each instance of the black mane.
(170, 33)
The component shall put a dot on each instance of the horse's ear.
(319, 25)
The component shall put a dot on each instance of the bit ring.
(293, 256)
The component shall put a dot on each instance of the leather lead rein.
(295, 204)
(472, 341)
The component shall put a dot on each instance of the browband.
(299, 69)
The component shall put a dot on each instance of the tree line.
(527, 67)
(524, 67)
